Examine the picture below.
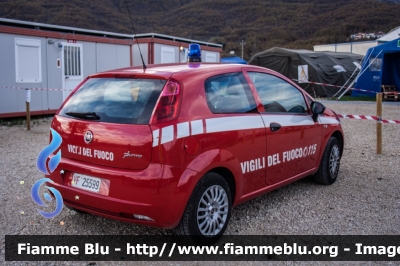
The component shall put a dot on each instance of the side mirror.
(317, 108)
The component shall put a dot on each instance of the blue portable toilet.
(381, 66)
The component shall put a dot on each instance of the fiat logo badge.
(88, 137)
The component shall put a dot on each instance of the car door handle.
(274, 127)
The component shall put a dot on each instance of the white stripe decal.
(288, 120)
(182, 130)
(156, 136)
(197, 127)
(327, 120)
(167, 134)
(222, 124)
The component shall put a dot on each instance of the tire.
(330, 163)
(208, 211)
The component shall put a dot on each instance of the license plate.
(86, 182)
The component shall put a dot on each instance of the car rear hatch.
(106, 122)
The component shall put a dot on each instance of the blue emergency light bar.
(194, 53)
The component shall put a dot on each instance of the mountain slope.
(261, 24)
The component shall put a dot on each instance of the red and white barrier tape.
(369, 117)
(36, 89)
(336, 86)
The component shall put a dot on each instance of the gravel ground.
(365, 199)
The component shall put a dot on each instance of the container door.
(72, 65)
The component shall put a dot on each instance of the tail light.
(168, 104)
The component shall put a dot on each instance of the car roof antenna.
(134, 32)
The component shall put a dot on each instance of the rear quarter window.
(229, 93)
(113, 100)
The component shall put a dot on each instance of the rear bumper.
(157, 192)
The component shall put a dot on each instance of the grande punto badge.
(88, 137)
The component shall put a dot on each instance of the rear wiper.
(88, 115)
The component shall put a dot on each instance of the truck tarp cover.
(323, 67)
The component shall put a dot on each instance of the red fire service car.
(177, 146)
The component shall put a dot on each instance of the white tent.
(392, 35)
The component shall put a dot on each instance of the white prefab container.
(52, 60)
(358, 47)
(164, 49)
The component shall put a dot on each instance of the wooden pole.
(379, 123)
(28, 111)
(28, 117)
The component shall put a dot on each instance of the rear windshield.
(113, 100)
